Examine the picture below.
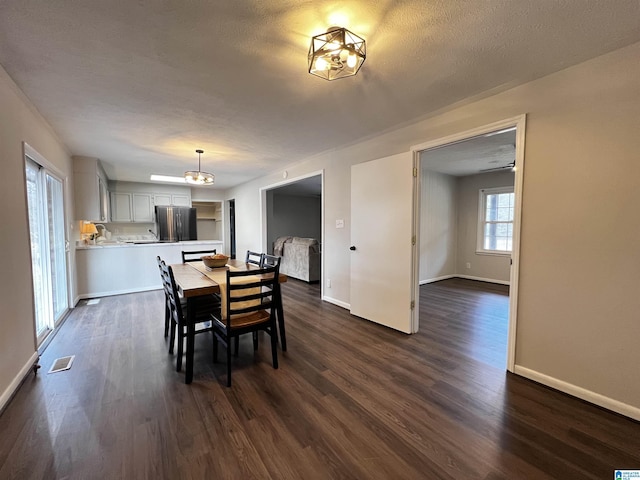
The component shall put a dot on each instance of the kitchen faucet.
(153, 233)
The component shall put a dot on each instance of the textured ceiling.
(469, 157)
(141, 85)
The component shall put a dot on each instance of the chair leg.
(274, 344)
(191, 333)
(215, 347)
(255, 341)
(283, 337)
(229, 361)
(167, 319)
(172, 337)
(280, 316)
(180, 347)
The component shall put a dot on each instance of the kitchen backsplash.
(130, 228)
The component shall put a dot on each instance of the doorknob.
(352, 247)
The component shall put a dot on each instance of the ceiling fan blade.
(504, 167)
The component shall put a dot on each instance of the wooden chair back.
(174, 298)
(253, 258)
(249, 292)
(270, 260)
(194, 256)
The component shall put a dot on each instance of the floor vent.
(93, 301)
(61, 364)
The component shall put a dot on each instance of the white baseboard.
(116, 292)
(13, 386)
(482, 279)
(436, 279)
(582, 393)
(339, 303)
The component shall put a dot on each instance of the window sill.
(493, 254)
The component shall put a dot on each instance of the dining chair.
(195, 256)
(253, 258)
(274, 261)
(165, 287)
(249, 307)
(205, 306)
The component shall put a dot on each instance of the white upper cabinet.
(90, 190)
(172, 199)
(121, 210)
(136, 202)
(142, 207)
(181, 200)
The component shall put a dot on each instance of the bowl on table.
(215, 261)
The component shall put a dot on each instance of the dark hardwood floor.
(350, 400)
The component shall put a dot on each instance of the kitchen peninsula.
(124, 267)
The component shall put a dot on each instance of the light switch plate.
(339, 223)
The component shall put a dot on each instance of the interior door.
(382, 287)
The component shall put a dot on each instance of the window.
(495, 220)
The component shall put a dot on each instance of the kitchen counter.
(120, 268)
(146, 243)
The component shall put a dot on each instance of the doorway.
(293, 218)
(49, 246)
(469, 203)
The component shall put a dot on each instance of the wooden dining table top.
(192, 282)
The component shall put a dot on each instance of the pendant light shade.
(338, 53)
(199, 177)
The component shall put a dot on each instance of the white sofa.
(300, 258)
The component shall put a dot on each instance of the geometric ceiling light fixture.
(199, 177)
(338, 53)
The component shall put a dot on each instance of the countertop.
(142, 243)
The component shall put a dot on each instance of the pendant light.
(199, 177)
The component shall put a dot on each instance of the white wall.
(438, 226)
(490, 267)
(448, 227)
(580, 263)
(20, 121)
(294, 215)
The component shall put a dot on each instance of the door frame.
(29, 152)
(519, 122)
(230, 234)
(263, 214)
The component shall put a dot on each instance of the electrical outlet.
(328, 283)
(468, 264)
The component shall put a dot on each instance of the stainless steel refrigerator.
(175, 224)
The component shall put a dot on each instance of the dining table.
(194, 279)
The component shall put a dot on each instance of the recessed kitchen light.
(167, 178)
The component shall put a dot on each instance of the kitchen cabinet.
(172, 199)
(121, 210)
(142, 207)
(136, 202)
(132, 207)
(126, 268)
(90, 190)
